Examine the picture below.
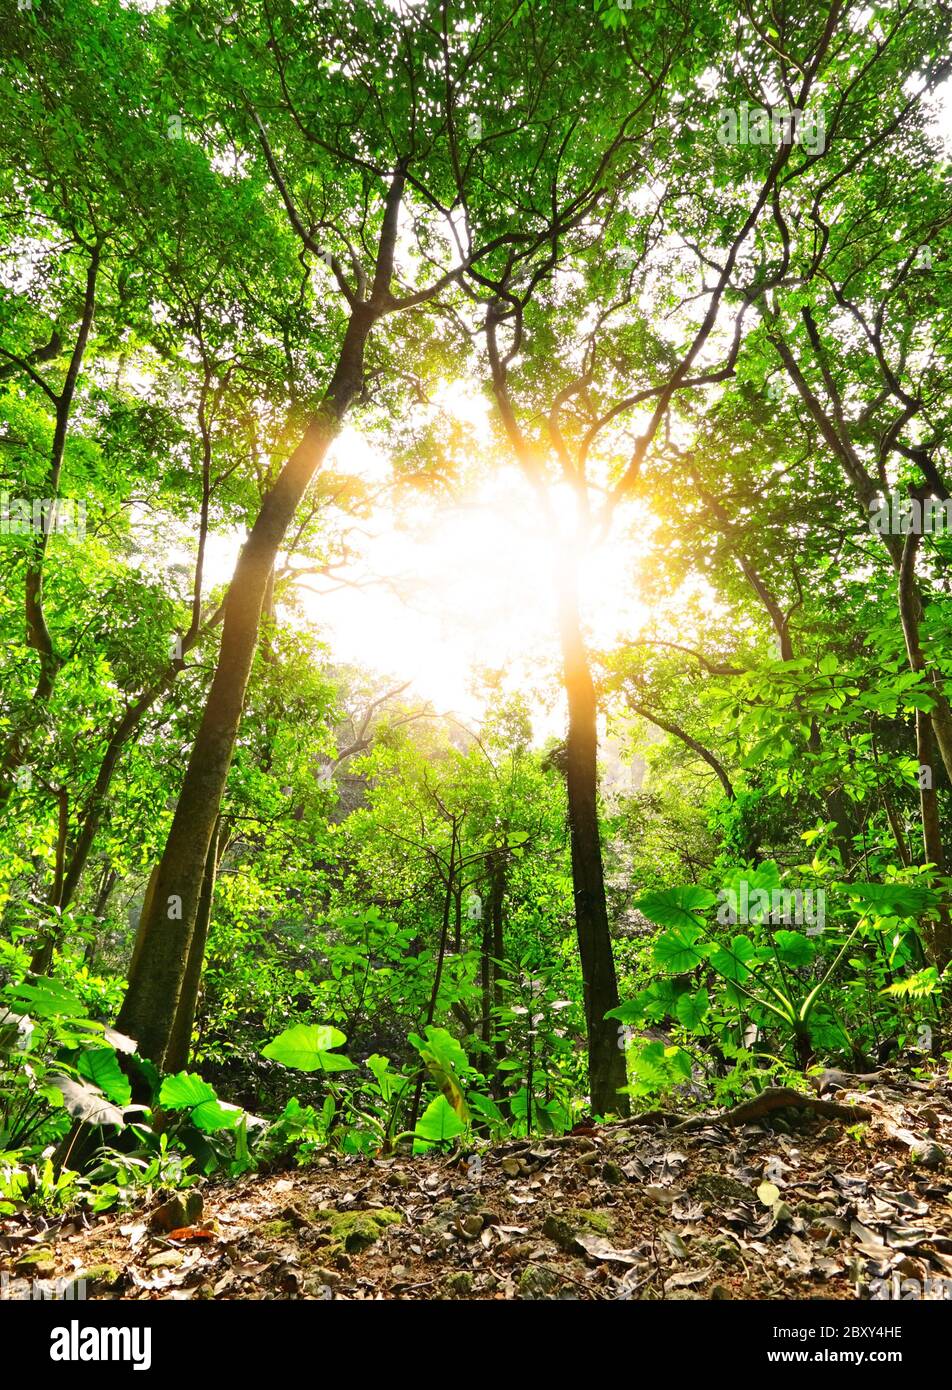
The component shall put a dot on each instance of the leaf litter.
(789, 1207)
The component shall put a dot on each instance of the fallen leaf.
(687, 1278)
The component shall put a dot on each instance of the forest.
(476, 662)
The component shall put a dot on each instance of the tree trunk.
(152, 997)
(499, 955)
(37, 634)
(606, 1060)
(438, 974)
(485, 976)
(151, 1000)
(180, 1040)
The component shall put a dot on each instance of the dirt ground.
(796, 1205)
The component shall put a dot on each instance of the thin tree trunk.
(497, 901)
(606, 1061)
(180, 1040)
(485, 971)
(938, 934)
(108, 881)
(438, 975)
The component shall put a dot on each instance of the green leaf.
(185, 1091)
(101, 1066)
(388, 1081)
(794, 948)
(47, 999)
(305, 1047)
(87, 1103)
(731, 962)
(676, 907)
(691, 1009)
(632, 1011)
(442, 1047)
(438, 1122)
(676, 950)
(918, 986)
(892, 899)
(444, 1059)
(486, 1107)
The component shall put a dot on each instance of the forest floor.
(797, 1205)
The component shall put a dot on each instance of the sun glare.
(468, 588)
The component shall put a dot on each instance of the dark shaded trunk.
(486, 978)
(180, 1041)
(606, 1060)
(108, 881)
(496, 901)
(152, 997)
(438, 974)
(154, 987)
(938, 934)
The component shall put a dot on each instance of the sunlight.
(463, 593)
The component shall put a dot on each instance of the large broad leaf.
(892, 899)
(676, 907)
(442, 1047)
(388, 1081)
(439, 1121)
(486, 1107)
(794, 948)
(691, 1009)
(47, 999)
(731, 961)
(185, 1091)
(765, 875)
(632, 1011)
(677, 950)
(306, 1047)
(444, 1058)
(101, 1066)
(85, 1102)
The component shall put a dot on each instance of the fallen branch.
(778, 1098)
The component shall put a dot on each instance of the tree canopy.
(285, 281)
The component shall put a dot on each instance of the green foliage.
(190, 205)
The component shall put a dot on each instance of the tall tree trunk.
(938, 934)
(451, 873)
(496, 902)
(180, 1040)
(606, 1060)
(152, 997)
(486, 970)
(108, 881)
